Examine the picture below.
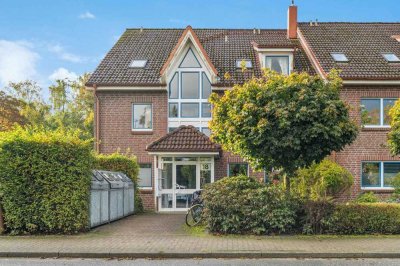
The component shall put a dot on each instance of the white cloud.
(62, 73)
(17, 61)
(64, 55)
(87, 15)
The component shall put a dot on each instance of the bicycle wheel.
(193, 216)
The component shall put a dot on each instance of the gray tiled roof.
(363, 44)
(184, 139)
(155, 45)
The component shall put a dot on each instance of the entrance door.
(179, 178)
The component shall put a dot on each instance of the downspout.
(97, 127)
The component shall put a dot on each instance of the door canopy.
(184, 139)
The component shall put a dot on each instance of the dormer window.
(391, 58)
(278, 63)
(138, 63)
(244, 62)
(339, 57)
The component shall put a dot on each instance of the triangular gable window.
(190, 60)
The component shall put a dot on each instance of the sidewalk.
(164, 236)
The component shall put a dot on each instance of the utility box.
(128, 195)
(99, 197)
(111, 197)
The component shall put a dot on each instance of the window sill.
(142, 132)
(145, 190)
(375, 128)
(378, 189)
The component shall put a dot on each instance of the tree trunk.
(287, 183)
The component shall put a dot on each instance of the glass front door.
(180, 177)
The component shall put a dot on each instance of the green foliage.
(367, 218)
(324, 180)
(45, 181)
(368, 197)
(10, 109)
(394, 134)
(240, 205)
(125, 164)
(70, 107)
(316, 212)
(283, 122)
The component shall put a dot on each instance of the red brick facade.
(370, 144)
(115, 114)
(115, 119)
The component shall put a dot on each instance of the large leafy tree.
(10, 109)
(394, 134)
(283, 122)
(70, 105)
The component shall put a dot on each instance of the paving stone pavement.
(164, 235)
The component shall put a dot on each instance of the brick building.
(152, 93)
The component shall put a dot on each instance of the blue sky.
(48, 39)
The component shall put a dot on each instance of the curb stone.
(190, 255)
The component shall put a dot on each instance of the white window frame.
(381, 175)
(198, 122)
(381, 112)
(264, 52)
(133, 117)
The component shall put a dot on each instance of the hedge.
(239, 205)
(45, 181)
(125, 164)
(365, 218)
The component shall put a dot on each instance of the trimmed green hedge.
(239, 205)
(45, 181)
(366, 218)
(122, 163)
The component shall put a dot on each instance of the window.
(170, 129)
(190, 85)
(190, 110)
(206, 131)
(138, 63)
(142, 117)
(339, 57)
(235, 169)
(188, 91)
(379, 174)
(190, 60)
(173, 87)
(145, 177)
(205, 110)
(173, 110)
(246, 62)
(375, 112)
(279, 64)
(391, 58)
(206, 88)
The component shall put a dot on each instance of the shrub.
(240, 205)
(45, 181)
(366, 218)
(368, 197)
(324, 180)
(316, 212)
(125, 164)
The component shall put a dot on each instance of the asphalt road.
(208, 262)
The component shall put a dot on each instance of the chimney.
(292, 22)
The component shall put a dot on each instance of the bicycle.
(195, 212)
